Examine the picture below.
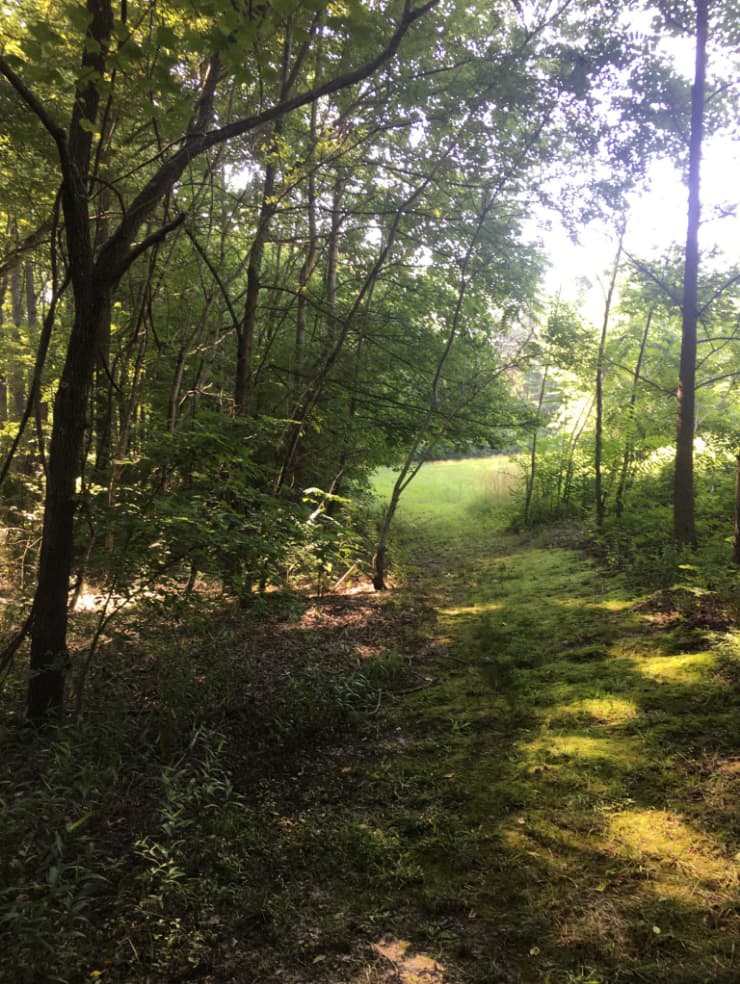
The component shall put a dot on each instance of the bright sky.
(657, 220)
(658, 212)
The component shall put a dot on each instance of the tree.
(684, 525)
(95, 269)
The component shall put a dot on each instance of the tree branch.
(37, 108)
(194, 144)
(151, 240)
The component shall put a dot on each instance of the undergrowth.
(519, 768)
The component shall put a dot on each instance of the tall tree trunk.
(17, 382)
(268, 207)
(736, 538)
(92, 301)
(599, 495)
(102, 394)
(684, 523)
(307, 269)
(245, 336)
(533, 450)
(49, 657)
(411, 466)
(3, 377)
(629, 442)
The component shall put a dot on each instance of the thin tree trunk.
(533, 450)
(629, 444)
(410, 466)
(245, 336)
(17, 382)
(307, 269)
(3, 377)
(268, 208)
(736, 538)
(600, 498)
(684, 522)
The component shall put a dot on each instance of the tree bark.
(93, 280)
(533, 449)
(600, 498)
(736, 538)
(684, 523)
(629, 443)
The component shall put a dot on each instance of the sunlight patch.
(491, 606)
(684, 668)
(601, 710)
(666, 838)
(617, 749)
(410, 968)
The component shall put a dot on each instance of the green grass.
(582, 773)
(445, 490)
(528, 773)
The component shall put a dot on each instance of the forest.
(369, 605)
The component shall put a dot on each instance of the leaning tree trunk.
(629, 443)
(684, 525)
(736, 538)
(530, 479)
(599, 494)
(49, 657)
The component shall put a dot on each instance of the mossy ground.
(521, 772)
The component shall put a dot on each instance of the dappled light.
(615, 751)
(594, 711)
(409, 965)
(666, 839)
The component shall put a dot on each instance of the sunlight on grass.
(664, 837)
(409, 967)
(685, 668)
(626, 752)
(602, 710)
(491, 606)
(443, 489)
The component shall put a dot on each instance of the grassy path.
(509, 770)
(563, 792)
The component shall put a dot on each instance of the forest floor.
(509, 769)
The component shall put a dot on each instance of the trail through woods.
(562, 785)
(510, 769)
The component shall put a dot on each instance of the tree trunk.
(598, 439)
(684, 525)
(533, 450)
(245, 337)
(16, 381)
(3, 377)
(49, 656)
(307, 269)
(629, 444)
(736, 538)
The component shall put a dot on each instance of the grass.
(512, 769)
(443, 490)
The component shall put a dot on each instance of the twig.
(346, 574)
(377, 706)
(413, 690)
